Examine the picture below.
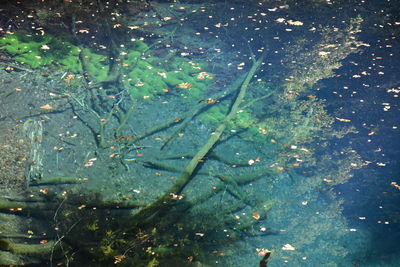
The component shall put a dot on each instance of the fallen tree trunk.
(162, 205)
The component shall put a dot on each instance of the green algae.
(37, 51)
(146, 77)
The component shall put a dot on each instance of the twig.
(15, 67)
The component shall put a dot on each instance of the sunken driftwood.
(162, 205)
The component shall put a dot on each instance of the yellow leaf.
(295, 23)
(46, 107)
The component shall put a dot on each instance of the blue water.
(306, 169)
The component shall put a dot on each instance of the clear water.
(213, 133)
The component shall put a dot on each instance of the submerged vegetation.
(185, 150)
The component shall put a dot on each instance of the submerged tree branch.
(161, 205)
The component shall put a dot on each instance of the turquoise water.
(213, 133)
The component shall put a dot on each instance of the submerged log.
(29, 249)
(162, 205)
(58, 180)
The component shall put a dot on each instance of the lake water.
(199, 133)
